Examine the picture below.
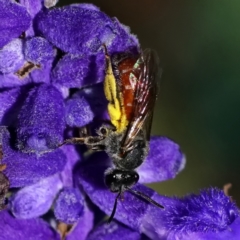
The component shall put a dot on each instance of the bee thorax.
(128, 159)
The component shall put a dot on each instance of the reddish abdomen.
(128, 87)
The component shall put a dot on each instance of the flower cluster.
(52, 68)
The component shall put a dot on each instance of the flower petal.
(38, 50)
(10, 102)
(78, 112)
(72, 157)
(26, 169)
(232, 232)
(210, 211)
(14, 20)
(84, 225)
(12, 80)
(42, 74)
(69, 205)
(35, 200)
(41, 119)
(79, 70)
(164, 161)
(12, 228)
(11, 57)
(123, 40)
(33, 7)
(74, 29)
(114, 230)
(209, 214)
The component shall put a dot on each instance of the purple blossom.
(52, 68)
(43, 102)
(69, 205)
(12, 228)
(15, 19)
(36, 199)
(38, 50)
(11, 56)
(79, 70)
(115, 231)
(62, 26)
(20, 169)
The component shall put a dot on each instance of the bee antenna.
(144, 197)
(114, 207)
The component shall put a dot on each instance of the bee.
(131, 87)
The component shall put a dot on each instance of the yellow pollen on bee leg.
(115, 110)
(110, 91)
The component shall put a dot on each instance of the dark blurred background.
(198, 43)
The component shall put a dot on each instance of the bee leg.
(97, 148)
(95, 143)
(72, 141)
(90, 141)
(94, 140)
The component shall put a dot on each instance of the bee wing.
(147, 73)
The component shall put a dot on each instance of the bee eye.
(103, 131)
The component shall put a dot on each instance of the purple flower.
(115, 231)
(43, 102)
(62, 26)
(25, 229)
(11, 56)
(210, 213)
(35, 200)
(15, 19)
(69, 205)
(52, 69)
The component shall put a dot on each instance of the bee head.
(118, 180)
